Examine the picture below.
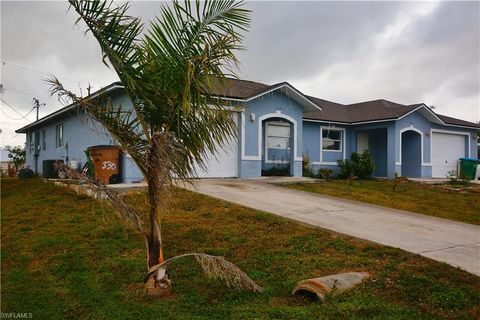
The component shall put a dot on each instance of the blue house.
(277, 125)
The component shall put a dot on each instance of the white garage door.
(224, 163)
(446, 150)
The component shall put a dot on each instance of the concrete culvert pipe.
(329, 285)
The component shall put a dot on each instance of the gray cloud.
(343, 51)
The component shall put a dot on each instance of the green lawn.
(432, 200)
(66, 257)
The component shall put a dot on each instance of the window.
(44, 139)
(331, 140)
(32, 143)
(277, 143)
(59, 136)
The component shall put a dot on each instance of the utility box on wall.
(49, 169)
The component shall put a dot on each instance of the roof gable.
(379, 110)
(241, 90)
(111, 87)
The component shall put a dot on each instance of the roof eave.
(291, 91)
(110, 87)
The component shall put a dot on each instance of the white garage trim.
(224, 162)
(412, 128)
(451, 132)
(438, 170)
(242, 143)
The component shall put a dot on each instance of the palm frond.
(214, 267)
(125, 212)
(118, 36)
(175, 120)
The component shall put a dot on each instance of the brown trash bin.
(106, 163)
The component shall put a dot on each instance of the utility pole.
(37, 105)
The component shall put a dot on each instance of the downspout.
(36, 150)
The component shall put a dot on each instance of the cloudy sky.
(346, 52)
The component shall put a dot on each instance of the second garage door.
(224, 163)
(446, 150)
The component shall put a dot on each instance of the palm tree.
(170, 73)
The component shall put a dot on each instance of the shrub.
(365, 166)
(306, 169)
(345, 168)
(277, 170)
(325, 174)
(455, 180)
(360, 166)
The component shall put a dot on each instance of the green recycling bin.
(468, 168)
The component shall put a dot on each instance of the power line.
(14, 109)
(11, 124)
(35, 71)
(25, 93)
(6, 115)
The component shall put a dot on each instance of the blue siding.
(381, 138)
(130, 171)
(311, 140)
(411, 154)
(312, 143)
(417, 121)
(277, 104)
(80, 132)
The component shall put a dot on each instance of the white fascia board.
(423, 107)
(66, 109)
(298, 94)
(351, 123)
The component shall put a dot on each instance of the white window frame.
(283, 124)
(32, 142)
(59, 143)
(44, 139)
(342, 138)
(344, 146)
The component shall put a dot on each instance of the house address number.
(109, 165)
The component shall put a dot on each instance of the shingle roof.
(457, 122)
(331, 111)
(246, 90)
(374, 110)
(238, 89)
(359, 112)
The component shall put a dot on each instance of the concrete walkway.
(455, 243)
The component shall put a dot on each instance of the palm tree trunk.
(158, 284)
(155, 236)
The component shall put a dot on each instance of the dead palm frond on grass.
(169, 73)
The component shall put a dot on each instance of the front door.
(277, 151)
(362, 141)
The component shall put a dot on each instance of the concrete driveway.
(455, 243)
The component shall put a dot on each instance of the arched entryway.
(277, 147)
(411, 154)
